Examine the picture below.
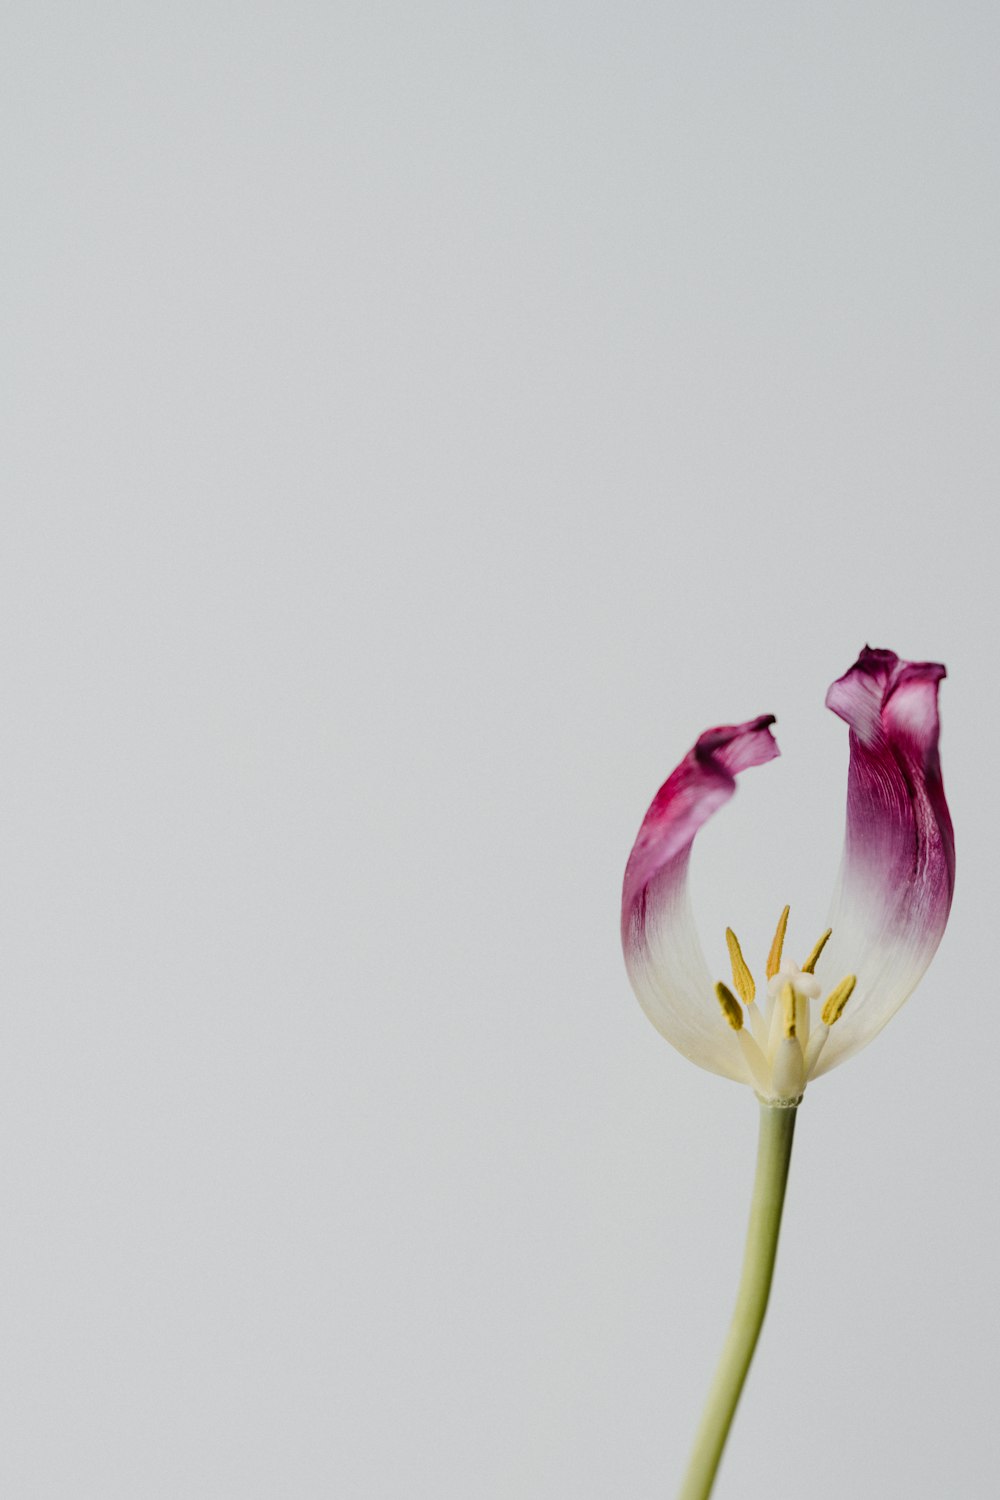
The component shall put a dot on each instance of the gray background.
(423, 420)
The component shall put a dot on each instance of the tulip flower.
(888, 914)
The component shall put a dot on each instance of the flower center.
(781, 1039)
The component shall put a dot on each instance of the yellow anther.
(742, 978)
(788, 1008)
(774, 957)
(809, 967)
(833, 1005)
(730, 1006)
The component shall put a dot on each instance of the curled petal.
(662, 952)
(898, 871)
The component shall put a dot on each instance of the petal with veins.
(898, 870)
(662, 951)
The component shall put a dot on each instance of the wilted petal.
(662, 952)
(898, 872)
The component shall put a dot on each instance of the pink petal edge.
(898, 871)
(703, 781)
(899, 831)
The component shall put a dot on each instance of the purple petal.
(898, 870)
(662, 952)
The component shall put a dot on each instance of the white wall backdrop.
(422, 421)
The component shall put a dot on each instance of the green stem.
(774, 1152)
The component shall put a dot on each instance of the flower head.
(890, 906)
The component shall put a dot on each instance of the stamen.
(833, 1006)
(742, 978)
(816, 1044)
(758, 1025)
(730, 1006)
(756, 1061)
(802, 1018)
(774, 1024)
(809, 967)
(788, 1010)
(774, 957)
